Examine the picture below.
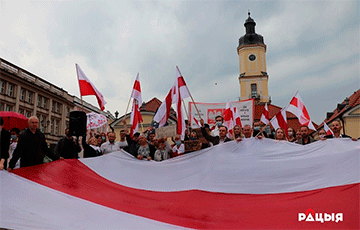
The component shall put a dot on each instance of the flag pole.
(197, 110)
(187, 114)
(77, 74)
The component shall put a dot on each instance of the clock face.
(252, 57)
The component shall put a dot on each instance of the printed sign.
(168, 131)
(208, 111)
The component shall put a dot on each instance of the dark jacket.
(342, 136)
(31, 148)
(301, 141)
(132, 147)
(5, 144)
(67, 148)
(214, 140)
(88, 150)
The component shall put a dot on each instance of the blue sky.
(312, 46)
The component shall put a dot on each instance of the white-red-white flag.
(136, 92)
(197, 122)
(298, 108)
(87, 87)
(177, 93)
(136, 118)
(327, 129)
(280, 121)
(229, 118)
(265, 118)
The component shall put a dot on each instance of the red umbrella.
(13, 120)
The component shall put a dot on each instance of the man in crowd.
(221, 138)
(247, 131)
(31, 147)
(145, 151)
(305, 137)
(219, 122)
(336, 128)
(122, 143)
(4, 145)
(67, 147)
(110, 146)
(259, 129)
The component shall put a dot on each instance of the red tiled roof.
(151, 106)
(354, 100)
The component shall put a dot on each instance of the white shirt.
(107, 147)
(179, 150)
(215, 131)
(122, 144)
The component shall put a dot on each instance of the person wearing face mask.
(291, 133)
(219, 122)
(321, 134)
(258, 130)
(179, 148)
(110, 146)
(68, 147)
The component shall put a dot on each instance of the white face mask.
(290, 134)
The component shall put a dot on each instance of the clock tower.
(253, 77)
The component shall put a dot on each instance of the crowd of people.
(29, 147)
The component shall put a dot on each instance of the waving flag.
(327, 129)
(178, 92)
(87, 88)
(282, 186)
(136, 118)
(265, 118)
(280, 121)
(231, 118)
(298, 108)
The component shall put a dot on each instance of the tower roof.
(250, 37)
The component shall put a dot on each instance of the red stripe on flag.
(86, 88)
(137, 86)
(181, 81)
(201, 209)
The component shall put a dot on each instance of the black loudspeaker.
(77, 124)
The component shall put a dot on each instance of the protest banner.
(208, 111)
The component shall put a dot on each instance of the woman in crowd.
(291, 133)
(280, 134)
(237, 132)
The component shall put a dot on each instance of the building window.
(56, 127)
(10, 91)
(22, 94)
(21, 111)
(52, 126)
(27, 114)
(29, 97)
(9, 108)
(45, 100)
(67, 111)
(253, 90)
(39, 101)
(2, 87)
(58, 107)
(53, 106)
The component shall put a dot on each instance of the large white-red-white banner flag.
(208, 111)
(87, 87)
(252, 184)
